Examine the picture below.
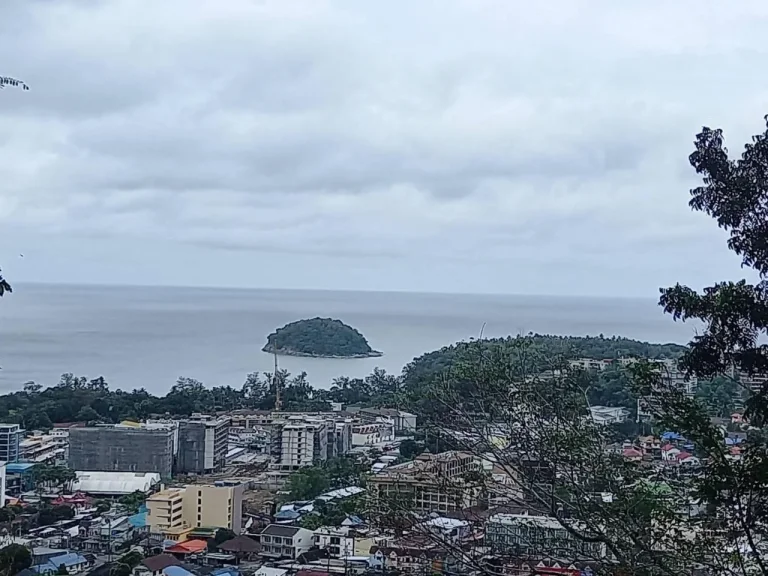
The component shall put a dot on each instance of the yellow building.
(176, 512)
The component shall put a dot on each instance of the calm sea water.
(147, 337)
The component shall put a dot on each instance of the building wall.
(105, 448)
(191, 457)
(2, 484)
(165, 510)
(10, 436)
(219, 506)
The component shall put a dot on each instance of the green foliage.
(131, 559)
(102, 506)
(119, 569)
(310, 482)
(62, 570)
(133, 501)
(719, 395)
(222, 535)
(409, 449)
(48, 515)
(319, 337)
(533, 354)
(87, 414)
(14, 558)
(47, 476)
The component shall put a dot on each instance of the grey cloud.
(466, 133)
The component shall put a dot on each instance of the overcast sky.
(447, 145)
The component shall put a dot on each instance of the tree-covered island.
(319, 338)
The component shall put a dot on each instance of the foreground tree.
(7, 81)
(525, 417)
(14, 558)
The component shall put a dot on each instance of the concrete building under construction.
(122, 449)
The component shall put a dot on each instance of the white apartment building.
(302, 442)
(279, 541)
(590, 364)
(339, 541)
(372, 434)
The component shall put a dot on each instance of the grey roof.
(278, 530)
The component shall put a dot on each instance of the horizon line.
(345, 290)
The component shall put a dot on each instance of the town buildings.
(342, 541)
(175, 512)
(44, 448)
(372, 433)
(122, 449)
(279, 541)
(528, 536)
(402, 422)
(202, 444)
(430, 483)
(299, 442)
(10, 438)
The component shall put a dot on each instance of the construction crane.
(278, 384)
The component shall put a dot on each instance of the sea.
(147, 337)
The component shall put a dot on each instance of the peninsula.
(319, 338)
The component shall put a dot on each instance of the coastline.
(297, 353)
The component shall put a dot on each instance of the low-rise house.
(686, 459)
(446, 529)
(632, 454)
(342, 542)
(285, 541)
(669, 453)
(243, 547)
(73, 562)
(155, 565)
(605, 415)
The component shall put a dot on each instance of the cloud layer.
(462, 145)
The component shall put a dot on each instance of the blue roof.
(287, 515)
(671, 436)
(225, 571)
(19, 467)
(138, 520)
(176, 571)
(71, 559)
(356, 520)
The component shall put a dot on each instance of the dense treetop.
(325, 337)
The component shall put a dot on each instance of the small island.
(319, 338)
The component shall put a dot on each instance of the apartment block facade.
(431, 483)
(176, 511)
(202, 445)
(121, 449)
(10, 438)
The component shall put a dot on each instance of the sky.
(489, 146)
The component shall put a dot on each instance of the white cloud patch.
(453, 145)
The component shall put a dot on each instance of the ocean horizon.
(148, 336)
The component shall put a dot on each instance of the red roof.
(683, 455)
(632, 453)
(188, 547)
(667, 448)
